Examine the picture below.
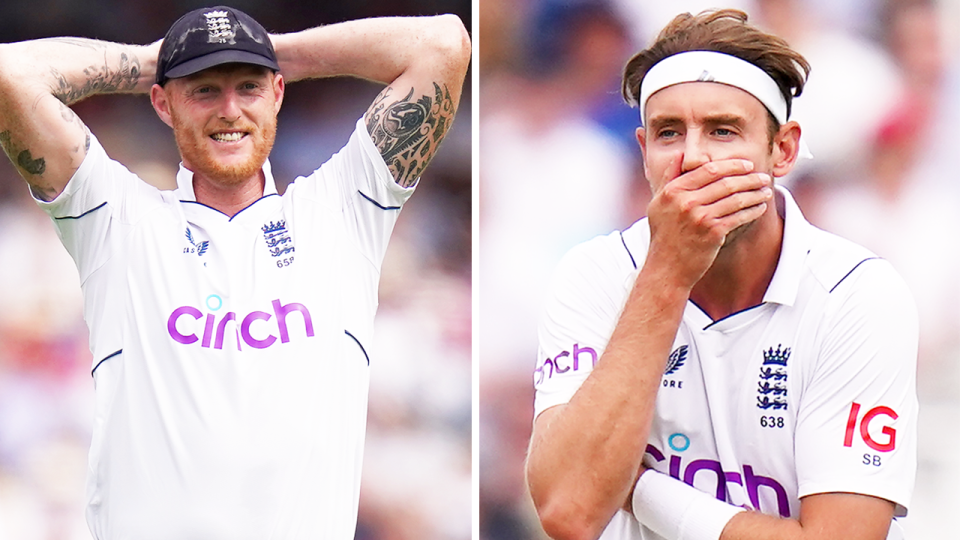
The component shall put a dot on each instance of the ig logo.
(891, 433)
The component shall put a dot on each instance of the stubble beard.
(193, 151)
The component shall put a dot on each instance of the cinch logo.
(711, 468)
(564, 362)
(214, 332)
(891, 433)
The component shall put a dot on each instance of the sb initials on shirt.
(891, 433)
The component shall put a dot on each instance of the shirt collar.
(185, 182)
(793, 252)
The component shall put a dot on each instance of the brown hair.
(724, 31)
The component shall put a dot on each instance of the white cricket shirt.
(812, 391)
(229, 353)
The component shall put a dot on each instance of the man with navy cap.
(229, 325)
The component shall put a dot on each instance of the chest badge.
(674, 363)
(279, 243)
(196, 247)
(772, 387)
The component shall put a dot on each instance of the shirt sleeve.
(857, 422)
(583, 305)
(100, 198)
(367, 192)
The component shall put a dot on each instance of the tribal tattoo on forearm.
(99, 79)
(408, 132)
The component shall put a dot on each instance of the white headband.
(712, 66)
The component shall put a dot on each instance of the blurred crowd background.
(559, 165)
(417, 467)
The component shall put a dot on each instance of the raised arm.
(423, 62)
(585, 455)
(40, 134)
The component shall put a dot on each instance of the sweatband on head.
(716, 67)
(711, 66)
(677, 511)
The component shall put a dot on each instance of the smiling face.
(224, 119)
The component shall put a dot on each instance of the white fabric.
(850, 326)
(711, 66)
(677, 511)
(231, 380)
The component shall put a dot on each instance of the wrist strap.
(677, 511)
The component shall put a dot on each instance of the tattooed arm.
(40, 134)
(423, 61)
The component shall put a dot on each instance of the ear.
(161, 104)
(642, 141)
(786, 148)
(278, 88)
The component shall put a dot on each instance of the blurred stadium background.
(558, 165)
(417, 481)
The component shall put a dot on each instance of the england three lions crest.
(772, 386)
(277, 238)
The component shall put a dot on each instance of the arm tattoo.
(408, 132)
(71, 117)
(99, 79)
(22, 158)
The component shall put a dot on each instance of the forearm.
(677, 511)
(584, 461)
(43, 138)
(72, 69)
(379, 49)
(827, 516)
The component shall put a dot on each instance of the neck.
(744, 268)
(229, 198)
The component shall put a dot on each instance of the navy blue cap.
(209, 37)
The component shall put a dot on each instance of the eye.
(724, 132)
(667, 133)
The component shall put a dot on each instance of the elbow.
(565, 510)
(451, 41)
(563, 521)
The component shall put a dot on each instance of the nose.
(694, 151)
(229, 107)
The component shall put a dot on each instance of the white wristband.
(677, 511)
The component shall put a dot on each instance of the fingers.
(740, 217)
(735, 194)
(733, 210)
(719, 206)
(706, 174)
(732, 186)
(719, 198)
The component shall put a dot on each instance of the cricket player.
(229, 325)
(722, 368)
